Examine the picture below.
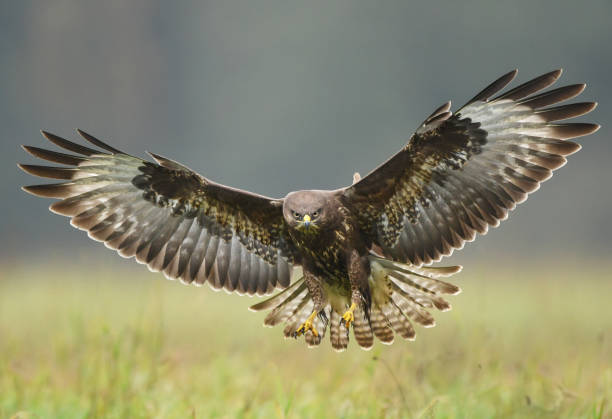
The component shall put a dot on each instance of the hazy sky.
(274, 96)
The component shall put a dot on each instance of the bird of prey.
(357, 256)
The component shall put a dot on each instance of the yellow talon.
(306, 326)
(349, 317)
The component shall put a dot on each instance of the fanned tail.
(402, 294)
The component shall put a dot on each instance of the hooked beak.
(306, 220)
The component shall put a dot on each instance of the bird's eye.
(315, 214)
(296, 214)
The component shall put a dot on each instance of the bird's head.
(306, 211)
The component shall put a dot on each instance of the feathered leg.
(318, 298)
(358, 272)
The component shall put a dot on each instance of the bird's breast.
(327, 252)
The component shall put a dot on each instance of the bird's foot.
(306, 326)
(349, 316)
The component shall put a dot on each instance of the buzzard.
(357, 256)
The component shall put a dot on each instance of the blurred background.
(271, 97)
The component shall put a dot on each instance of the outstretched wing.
(168, 216)
(461, 173)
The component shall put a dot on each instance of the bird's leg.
(316, 293)
(358, 272)
(306, 326)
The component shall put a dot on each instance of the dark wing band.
(168, 217)
(460, 174)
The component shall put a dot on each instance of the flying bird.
(355, 257)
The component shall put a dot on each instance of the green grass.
(102, 343)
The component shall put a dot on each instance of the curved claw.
(347, 319)
(349, 316)
(306, 326)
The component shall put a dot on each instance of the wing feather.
(168, 216)
(461, 174)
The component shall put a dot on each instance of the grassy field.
(100, 343)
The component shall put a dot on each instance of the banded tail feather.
(402, 294)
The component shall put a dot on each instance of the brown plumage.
(354, 256)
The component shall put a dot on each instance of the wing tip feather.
(577, 147)
(43, 191)
(93, 140)
(25, 167)
(28, 190)
(29, 149)
(579, 88)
